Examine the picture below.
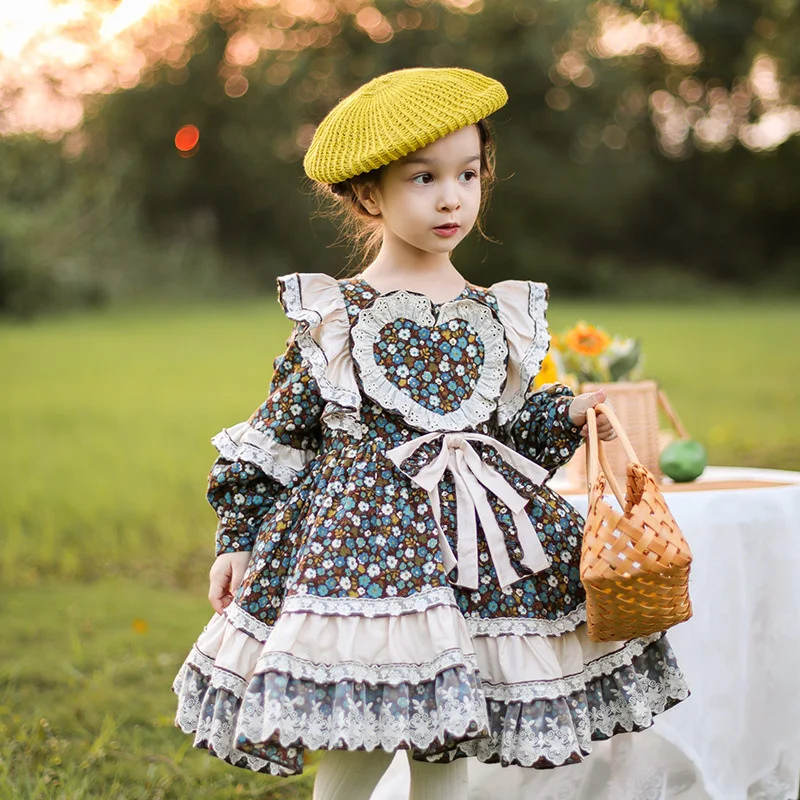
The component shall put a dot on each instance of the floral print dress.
(413, 582)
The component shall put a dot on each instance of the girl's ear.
(368, 195)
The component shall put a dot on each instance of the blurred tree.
(565, 207)
(646, 147)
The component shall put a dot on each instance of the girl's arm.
(268, 452)
(543, 431)
(261, 456)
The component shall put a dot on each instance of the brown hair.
(363, 231)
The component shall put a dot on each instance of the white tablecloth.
(738, 736)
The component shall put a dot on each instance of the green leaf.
(623, 366)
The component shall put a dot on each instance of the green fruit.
(683, 460)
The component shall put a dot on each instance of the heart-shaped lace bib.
(441, 367)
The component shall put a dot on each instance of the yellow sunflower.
(548, 373)
(587, 340)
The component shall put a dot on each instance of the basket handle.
(671, 415)
(596, 458)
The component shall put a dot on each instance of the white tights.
(354, 774)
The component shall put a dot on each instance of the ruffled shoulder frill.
(522, 308)
(314, 302)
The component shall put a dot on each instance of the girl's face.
(429, 200)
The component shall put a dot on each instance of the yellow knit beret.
(395, 114)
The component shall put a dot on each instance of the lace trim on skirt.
(525, 626)
(369, 607)
(644, 680)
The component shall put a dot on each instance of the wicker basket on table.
(634, 564)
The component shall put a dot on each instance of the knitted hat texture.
(395, 114)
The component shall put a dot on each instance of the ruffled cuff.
(278, 461)
(314, 302)
(543, 431)
(230, 540)
(252, 470)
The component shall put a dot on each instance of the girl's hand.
(577, 413)
(225, 578)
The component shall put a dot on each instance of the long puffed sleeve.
(267, 452)
(241, 495)
(542, 430)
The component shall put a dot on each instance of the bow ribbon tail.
(533, 554)
(467, 544)
(428, 478)
(506, 574)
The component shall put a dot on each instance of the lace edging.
(528, 691)
(473, 410)
(370, 607)
(291, 298)
(361, 718)
(204, 663)
(268, 461)
(215, 736)
(521, 626)
(598, 710)
(534, 355)
(306, 318)
(247, 623)
(217, 677)
(620, 658)
(276, 709)
(394, 674)
(231, 683)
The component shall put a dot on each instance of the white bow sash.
(472, 477)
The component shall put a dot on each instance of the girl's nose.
(449, 200)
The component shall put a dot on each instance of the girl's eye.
(423, 180)
(469, 175)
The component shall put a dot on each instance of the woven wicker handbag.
(634, 565)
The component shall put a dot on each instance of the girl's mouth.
(447, 229)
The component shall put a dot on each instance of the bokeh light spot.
(187, 138)
(236, 86)
(557, 99)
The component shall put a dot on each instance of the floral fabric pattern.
(339, 534)
(543, 430)
(428, 362)
(291, 412)
(241, 495)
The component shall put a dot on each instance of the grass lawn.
(86, 709)
(107, 537)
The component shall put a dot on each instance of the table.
(738, 736)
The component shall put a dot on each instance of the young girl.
(392, 571)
